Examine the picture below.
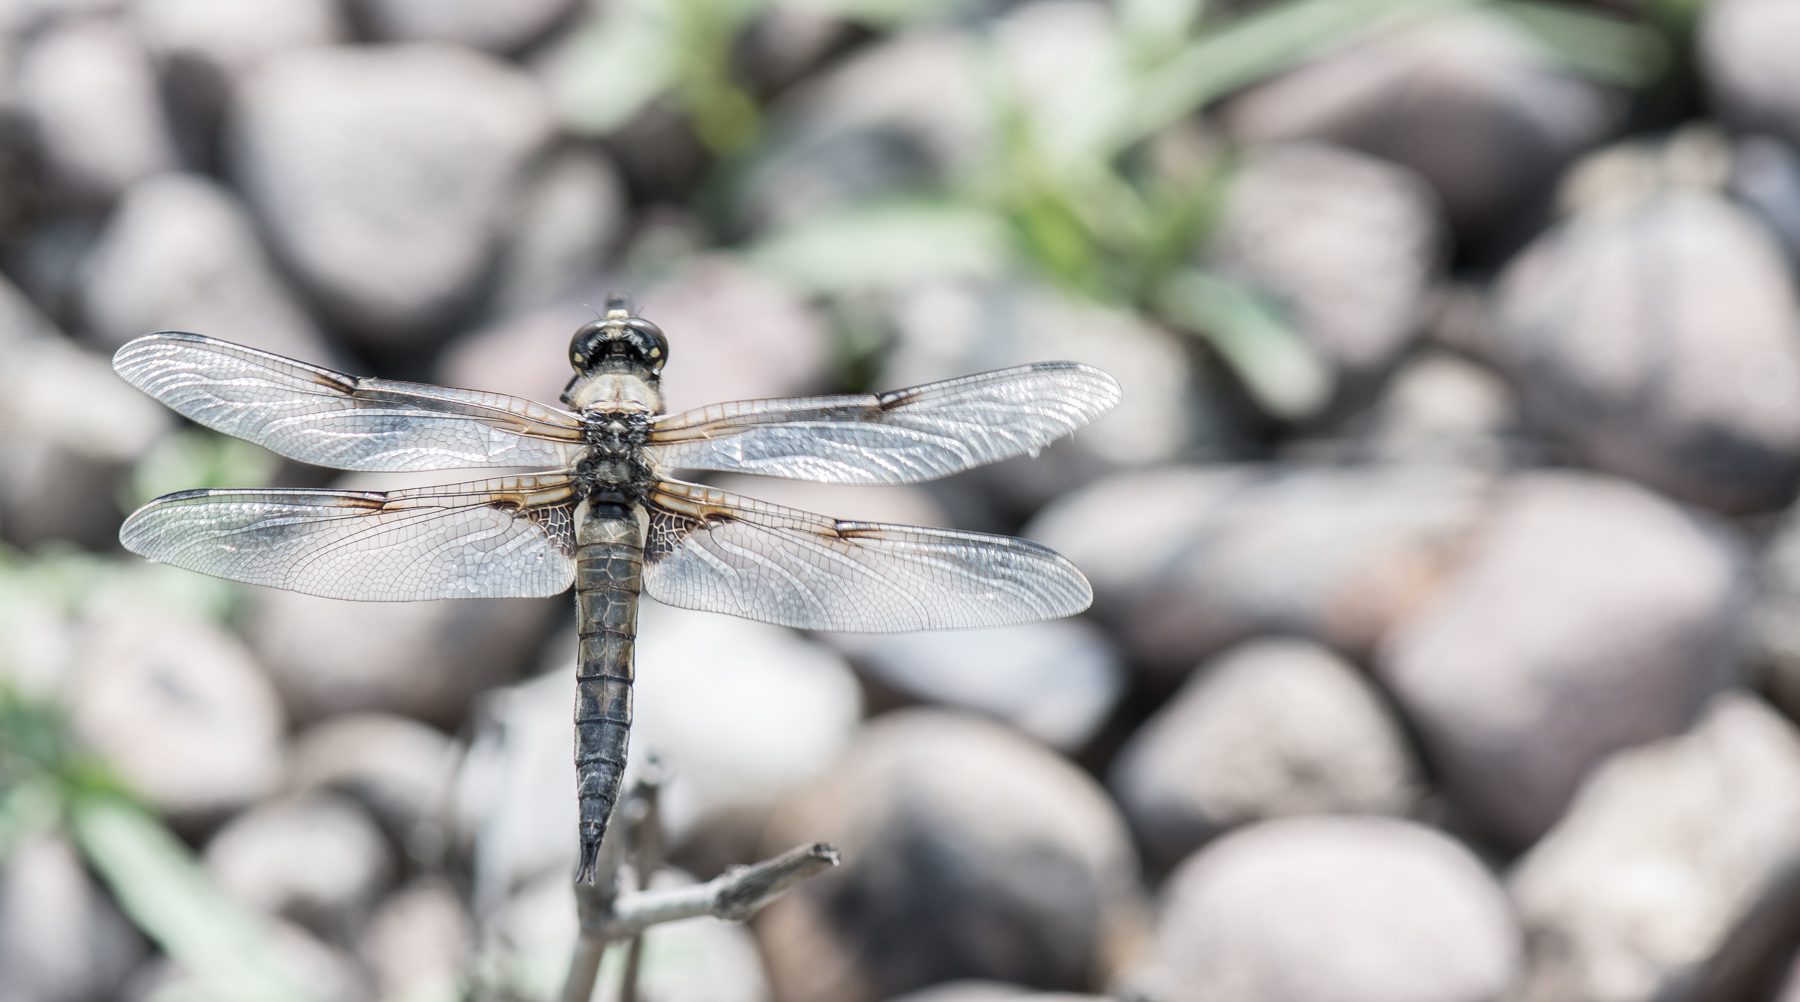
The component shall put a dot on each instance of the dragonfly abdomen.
(609, 568)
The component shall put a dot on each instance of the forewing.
(328, 418)
(716, 551)
(512, 536)
(901, 437)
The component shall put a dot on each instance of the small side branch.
(735, 895)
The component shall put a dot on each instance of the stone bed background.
(1446, 642)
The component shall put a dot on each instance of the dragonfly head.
(621, 336)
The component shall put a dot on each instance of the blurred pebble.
(1186, 561)
(1589, 615)
(969, 991)
(1442, 408)
(570, 213)
(228, 40)
(203, 49)
(1765, 176)
(61, 938)
(1644, 889)
(180, 253)
(515, 790)
(901, 115)
(91, 93)
(1746, 57)
(1268, 729)
(399, 769)
(788, 40)
(475, 23)
(969, 851)
(422, 659)
(417, 941)
(1337, 910)
(1470, 101)
(180, 709)
(1348, 242)
(734, 334)
(347, 862)
(1790, 983)
(382, 174)
(1056, 681)
(526, 354)
(951, 329)
(85, 451)
(1656, 331)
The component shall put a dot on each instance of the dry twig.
(608, 916)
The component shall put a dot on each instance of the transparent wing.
(320, 416)
(900, 437)
(716, 551)
(490, 539)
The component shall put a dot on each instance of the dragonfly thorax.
(614, 463)
(615, 388)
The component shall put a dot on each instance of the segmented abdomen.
(609, 573)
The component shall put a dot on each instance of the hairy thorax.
(616, 409)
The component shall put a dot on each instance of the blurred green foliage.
(49, 782)
(1072, 191)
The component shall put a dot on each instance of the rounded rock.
(1672, 868)
(1441, 408)
(1589, 615)
(228, 40)
(1269, 729)
(418, 941)
(570, 212)
(1471, 101)
(1748, 64)
(398, 768)
(1659, 335)
(1350, 243)
(1215, 555)
(90, 90)
(180, 253)
(347, 862)
(969, 851)
(86, 451)
(1337, 910)
(61, 938)
(382, 174)
(421, 659)
(494, 27)
(1056, 681)
(181, 710)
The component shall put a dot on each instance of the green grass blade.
(161, 886)
(881, 246)
(1593, 44)
(1257, 46)
(1282, 372)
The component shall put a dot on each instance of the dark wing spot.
(557, 521)
(896, 399)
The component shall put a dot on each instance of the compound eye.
(659, 350)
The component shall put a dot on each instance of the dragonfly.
(605, 515)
